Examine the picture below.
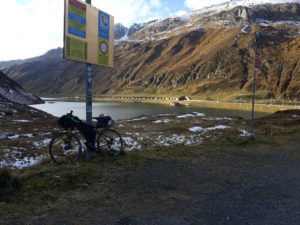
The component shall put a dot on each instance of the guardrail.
(115, 97)
(135, 98)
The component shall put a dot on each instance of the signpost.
(88, 38)
(89, 89)
(257, 65)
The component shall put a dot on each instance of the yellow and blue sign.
(89, 34)
(77, 19)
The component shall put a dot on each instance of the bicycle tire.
(59, 154)
(110, 142)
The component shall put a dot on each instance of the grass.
(244, 142)
(48, 181)
(129, 183)
(8, 183)
(40, 188)
(48, 187)
(39, 184)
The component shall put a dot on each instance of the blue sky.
(31, 27)
(130, 11)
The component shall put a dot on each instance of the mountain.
(122, 33)
(50, 55)
(204, 53)
(214, 14)
(13, 92)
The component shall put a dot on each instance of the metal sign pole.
(253, 103)
(257, 62)
(89, 95)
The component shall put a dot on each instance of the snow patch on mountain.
(272, 23)
(211, 16)
(234, 3)
(13, 92)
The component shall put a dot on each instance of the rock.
(120, 31)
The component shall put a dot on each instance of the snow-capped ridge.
(230, 13)
(234, 3)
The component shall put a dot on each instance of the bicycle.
(66, 146)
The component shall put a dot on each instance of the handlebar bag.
(102, 121)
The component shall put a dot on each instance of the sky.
(31, 27)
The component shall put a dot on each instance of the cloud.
(131, 11)
(156, 3)
(197, 4)
(180, 13)
(30, 28)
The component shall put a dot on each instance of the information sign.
(88, 34)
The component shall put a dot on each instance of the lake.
(131, 110)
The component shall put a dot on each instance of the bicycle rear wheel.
(65, 148)
(110, 142)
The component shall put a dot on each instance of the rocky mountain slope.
(50, 55)
(205, 53)
(14, 93)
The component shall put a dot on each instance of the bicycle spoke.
(64, 149)
(110, 142)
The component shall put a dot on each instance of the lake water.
(132, 110)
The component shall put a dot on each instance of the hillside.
(205, 53)
(49, 55)
(14, 93)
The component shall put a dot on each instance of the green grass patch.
(48, 182)
(129, 159)
(244, 142)
(8, 183)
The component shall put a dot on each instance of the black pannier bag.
(102, 121)
(89, 134)
(68, 121)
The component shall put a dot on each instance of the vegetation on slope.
(205, 55)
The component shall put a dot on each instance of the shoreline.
(242, 106)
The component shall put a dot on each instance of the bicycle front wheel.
(110, 142)
(65, 148)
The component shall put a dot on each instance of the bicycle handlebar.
(101, 115)
(95, 118)
(70, 113)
